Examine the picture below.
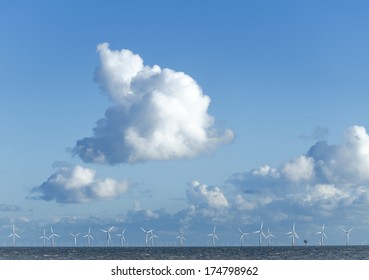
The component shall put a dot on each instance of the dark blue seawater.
(186, 253)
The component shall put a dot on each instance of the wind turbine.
(213, 237)
(243, 235)
(181, 237)
(108, 236)
(52, 236)
(147, 232)
(152, 237)
(122, 239)
(75, 238)
(13, 235)
(347, 232)
(44, 237)
(89, 237)
(260, 232)
(293, 234)
(268, 236)
(322, 234)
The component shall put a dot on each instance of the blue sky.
(226, 130)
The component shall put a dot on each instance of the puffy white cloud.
(116, 72)
(77, 184)
(159, 114)
(299, 169)
(202, 194)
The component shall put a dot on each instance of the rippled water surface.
(186, 253)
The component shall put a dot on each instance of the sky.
(171, 115)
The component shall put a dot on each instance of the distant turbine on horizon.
(293, 234)
(268, 236)
(152, 237)
(213, 237)
(260, 232)
(243, 235)
(322, 234)
(89, 237)
(122, 239)
(44, 237)
(13, 235)
(75, 238)
(347, 233)
(108, 236)
(181, 237)
(147, 232)
(52, 236)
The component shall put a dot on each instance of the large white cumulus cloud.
(77, 184)
(158, 114)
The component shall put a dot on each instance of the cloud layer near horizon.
(77, 184)
(323, 182)
(158, 114)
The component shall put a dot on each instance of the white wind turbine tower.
(13, 235)
(152, 237)
(347, 232)
(75, 238)
(293, 234)
(108, 236)
(89, 237)
(268, 236)
(44, 237)
(181, 237)
(147, 232)
(213, 237)
(52, 236)
(243, 235)
(260, 232)
(122, 239)
(322, 234)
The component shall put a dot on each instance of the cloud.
(324, 181)
(158, 114)
(9, 208)
(77, 184)
(299, 169)
(202, 194)
(345, 163)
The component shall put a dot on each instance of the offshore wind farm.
(243, 239)
(106, 249)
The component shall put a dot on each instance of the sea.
(187, 253)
